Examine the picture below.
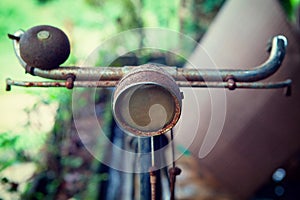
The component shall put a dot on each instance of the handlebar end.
(8, 85)
(275, 39)
(282, 37)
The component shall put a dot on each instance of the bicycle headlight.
(147, 101)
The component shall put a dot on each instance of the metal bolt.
(70, 81)
(43, 35)
(29, 69)
(231, 84)
(175, 171)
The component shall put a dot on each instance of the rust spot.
(29, 84)
(70, 81)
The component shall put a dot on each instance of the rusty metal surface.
(263, 71)
(110, 83)
(44, 47)
(246, 85)
(141, 90)
(87, 84)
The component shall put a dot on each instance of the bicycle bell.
(44, 47)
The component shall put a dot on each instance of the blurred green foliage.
(290, 7)
(80, 19)
(12, 12)
(11, 156)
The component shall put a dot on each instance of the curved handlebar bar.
(263, 71)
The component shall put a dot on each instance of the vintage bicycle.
(135, 111)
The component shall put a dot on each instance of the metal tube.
(83, 73)
(260, 72)
(246, 85)
(263, 71)
(201, 84)
(88, 84)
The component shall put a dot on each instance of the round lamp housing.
(147, 101)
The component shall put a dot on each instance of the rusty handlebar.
(184, 77)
